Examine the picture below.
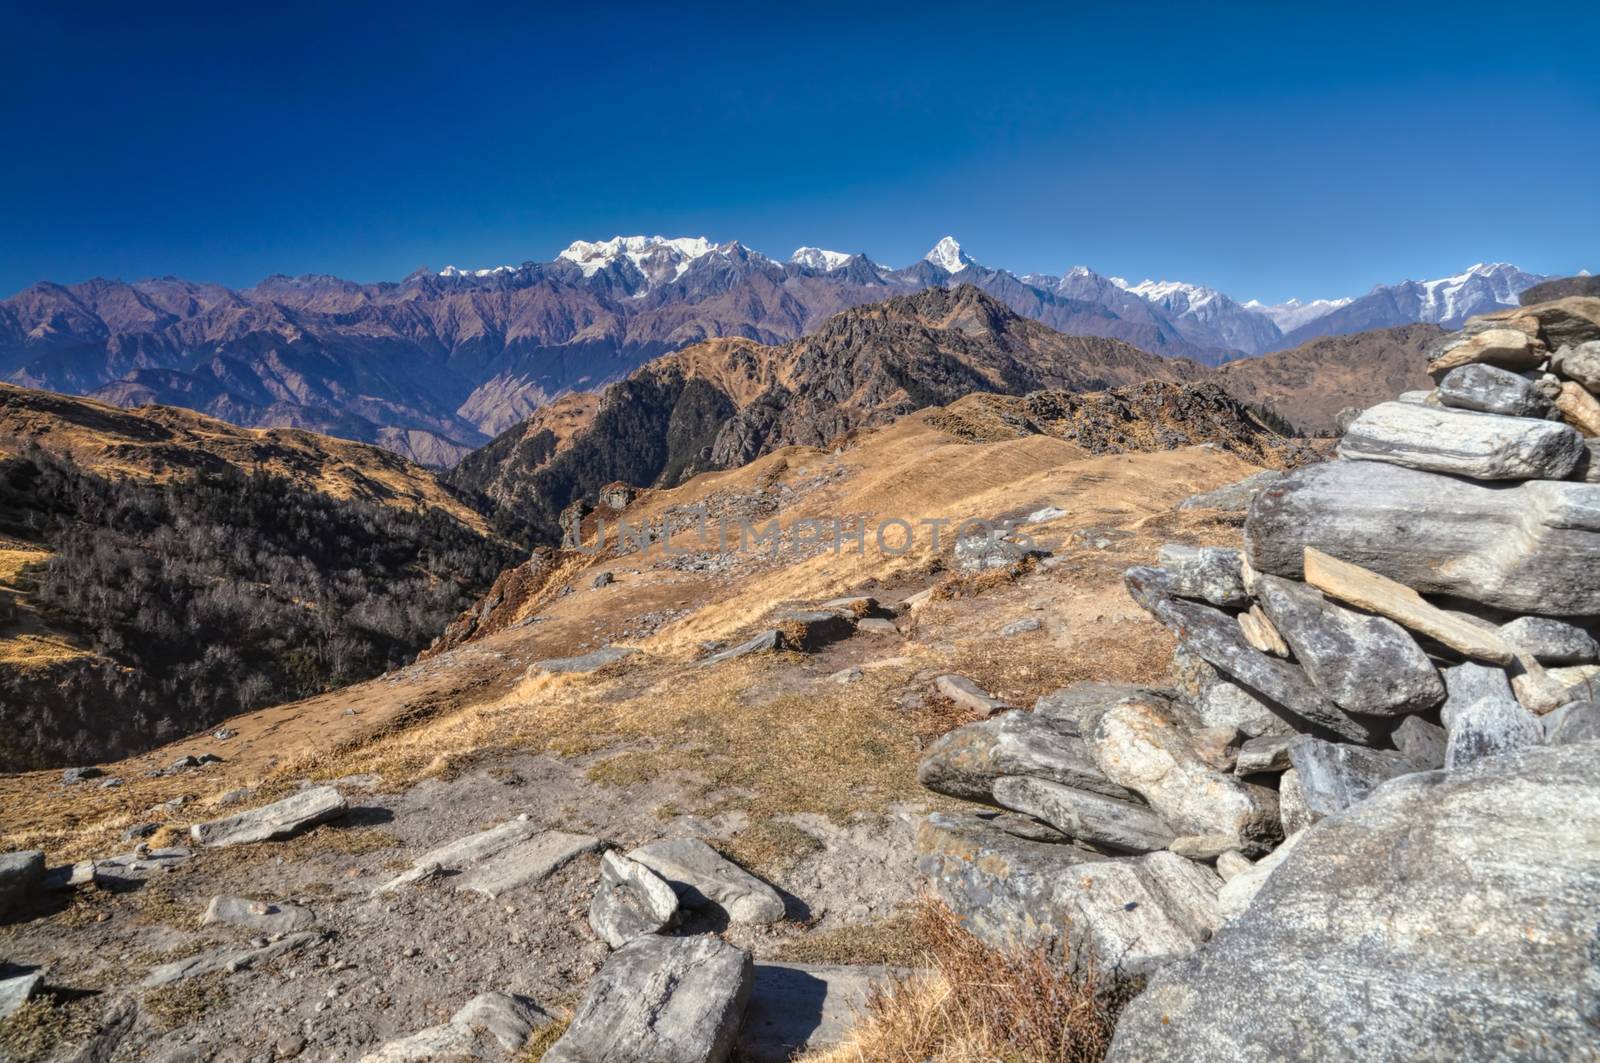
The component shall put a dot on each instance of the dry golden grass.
(895, 941)
(973, 1004)
(184, 1002)
(770, 847)
(43, 1025)
(542, 1041)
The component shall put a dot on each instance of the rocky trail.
(1324, 789)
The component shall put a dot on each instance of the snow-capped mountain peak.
(1484, 285)
(1174, 294)
(1293, 313)
(661, 259)
(452, 271)
(819, 259)
(948, 256)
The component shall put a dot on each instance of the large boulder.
(1449, 916)
(1463, 443)
(1528, 549)
(1490, 727)
(1363, 663)
(20, 875)
(667, 1000)
(1138, 744)
(966, 762)
(1580, 362)
(281, 819)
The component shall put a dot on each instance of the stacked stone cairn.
(1360, 823)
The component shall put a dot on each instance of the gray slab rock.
(1234, 497)
(766, 642)
(967, 694)
(21, 873)
(1488, 389)
(583, 663)
(1209, 573)
(632, 901)
(130, 868)
(1527, 549)
(1489, 728)
(1101, 821)
(665, 1000)
(1140, 745)
(1580, 362)
(17, 990)
(463, 852)
(1449, 916)
(978, 553)
(1293, 812)
(801, 1007)
(703, 877)
(1269, 753)
(1462, 443)
(1218, 701)
(265, 916)
(1332, 776)
(1215, 638)
(1421, 742)
(1130, 914)
(1577, 721)
(281, 819)
(1552, 641)
(1241, 888)
(490, 1026)
(966, 762)
(1080, 705)
(526, 863)
(227, 960)
(1203, 846)
(1367, 664)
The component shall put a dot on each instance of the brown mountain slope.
(1310, 384)
(160, 442)
(721, 404)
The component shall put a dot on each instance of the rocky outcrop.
(1447, 916)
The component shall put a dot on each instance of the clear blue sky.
(1270, 150)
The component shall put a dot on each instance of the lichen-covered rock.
(1449, 916)
(1218, 701)
(1209, 573)
(1577, 721)
(1364, 663)
(1421, 742)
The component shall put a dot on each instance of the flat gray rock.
(1218, 701)
(1234, 497)
(1488, 389)
(17, 990)
(1101, 821)
(1133, 914)
(1215, 638)
(1576, 721)
(1470, 683)
(21, 873)
(226, 960)
(281, 819)
(966, 762)
(970, 696)
(1580, 362)
(1363, 663)
(1528, 548)
(1489, 728)
(1080, 705)
(490, 1026)
(526, 863)
(703, 877)
(1463, 443)
(464, 852)
(662, 1000)
(632, 901)
(766, 642)
(1210, 573)
(265, 916)
(592, 661)
(129, 868)
(801, 1007)
(1449, 916)
(1332, 776)
(1552, 641)
(977, 553)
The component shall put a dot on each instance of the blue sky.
(1268, 150)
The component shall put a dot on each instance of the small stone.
(769, 641)
(1504, 347)
(1551, 641)
(1576, 721)
(1098, 820)
(1232, 864)
(1332, 776)
(876, 625)
(1579, 362)
(17, 990)
(583, 663)
(1268, 753)
(140, 830)
(1237, 893)
(258, 915)
(1421, 742)
(632, 901)
(967, 694)
(76, 775)
(966, 762)
(1018, 627)
(1204, 846)
(980, 553)
(604, 579)
(21, 873)
(1235, 497)
(499, 1019)
(1261, 633)
(1581, 409)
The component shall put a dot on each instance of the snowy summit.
(948, 256)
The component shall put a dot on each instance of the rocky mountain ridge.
(434, 365)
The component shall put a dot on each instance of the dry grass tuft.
(978, 1005)
(185, 1002)
(770, 847)
(42, 1025)
(542, 1040)
(893, 942)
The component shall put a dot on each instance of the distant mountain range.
(434, 365)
